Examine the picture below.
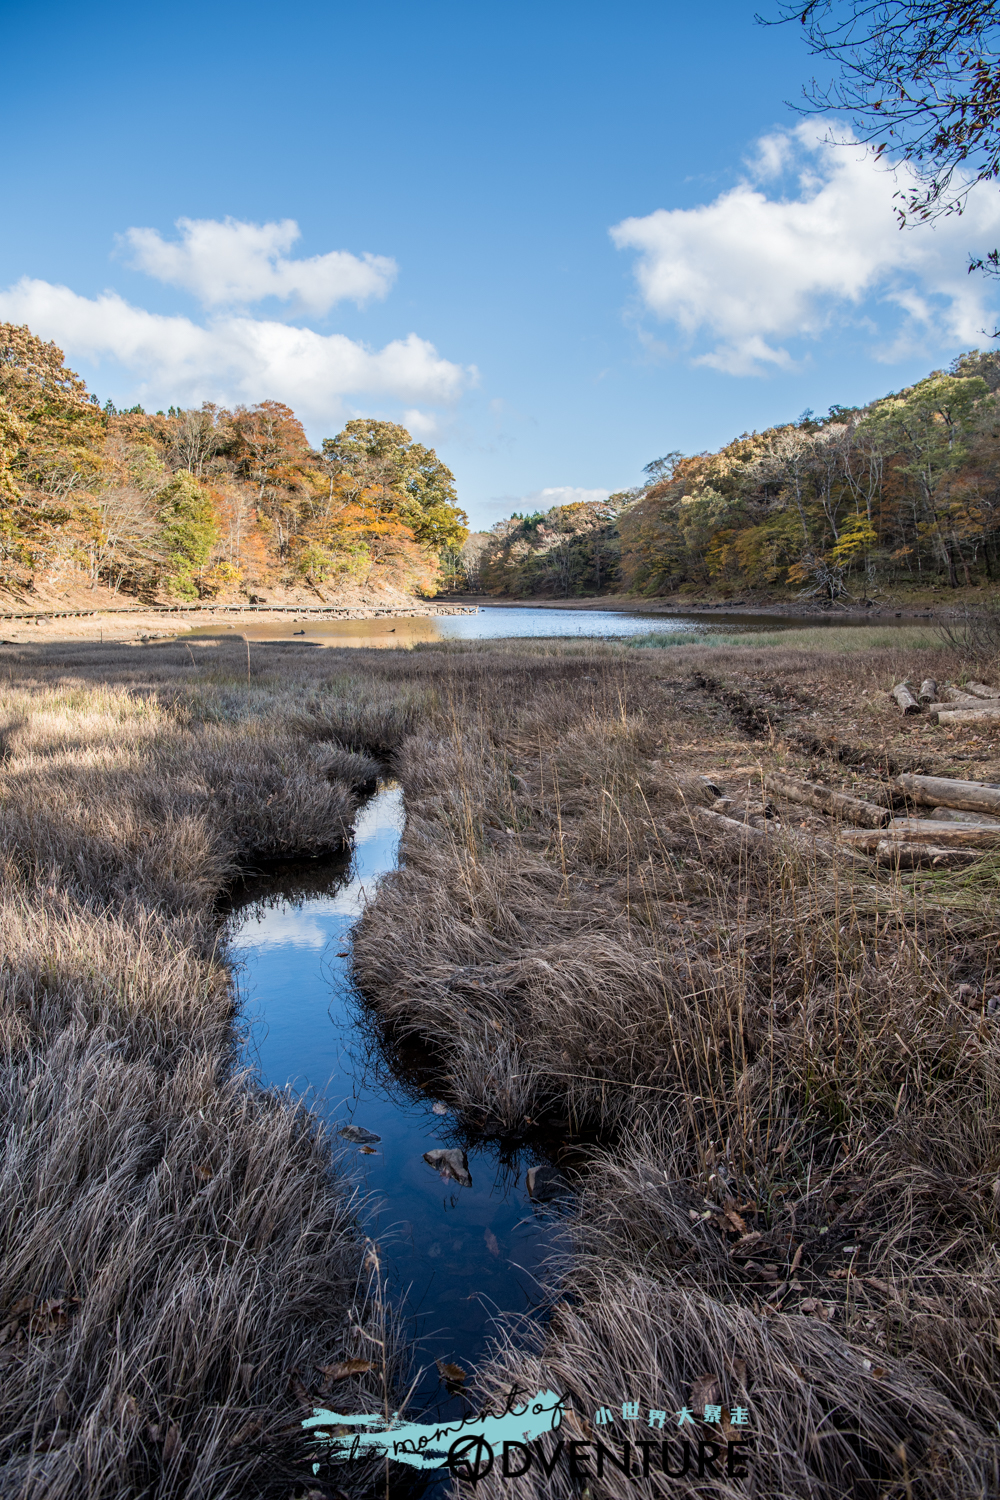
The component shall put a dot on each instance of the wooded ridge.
(208, 503)
(901, 493)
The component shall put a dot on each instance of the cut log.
(969, 835)
(957, 695)
(955, 815)
(939, 791)
(986, 713)
(923, 856)
(757, 838)
(744, 833)
(852, 809)
(905, 699)
(953, 703)
(867, 839)
(980, 690)
(928, 690)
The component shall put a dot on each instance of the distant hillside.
(208, 503)
(903, 492)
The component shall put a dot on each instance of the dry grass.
(779, 1039)
(772, 1050)
(178, 1256)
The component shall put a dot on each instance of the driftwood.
(923, 856)
(853, 809)
(981, 690)
(905, 699)
(954, 835)
(986, 713)
(928, 690)
(938, 791)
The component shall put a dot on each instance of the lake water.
(454, 1257)
(497, 622)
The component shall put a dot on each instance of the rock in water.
(545, 1183)
(453, 1164)
(359, 1135)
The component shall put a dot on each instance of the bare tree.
(919, 80)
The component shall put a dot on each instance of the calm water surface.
(454, 1257)
(512, 622)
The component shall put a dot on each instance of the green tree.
(400, 477)
(188, 531)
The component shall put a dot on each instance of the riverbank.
(926, 605)
(180, 1263)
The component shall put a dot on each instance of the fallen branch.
(981, 715)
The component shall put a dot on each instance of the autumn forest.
(899, 495)
(862, 504)
(208, 503)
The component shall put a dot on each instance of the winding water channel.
(454, 1257)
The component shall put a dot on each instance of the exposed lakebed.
(454, 1257)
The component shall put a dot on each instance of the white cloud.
(232, 359)
(750, 272)
(230, 263)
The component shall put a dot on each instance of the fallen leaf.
(451, 1374)
(345, 1368)
(814, 1308)
(298, 1389)
(577, 1424)
(450, 1164)
(171, 1441)
(732, 1217)
(345, 954)
(359, 1135)
(367, 1151)
(706, 1390)
(796, 1260)
(203, 1172)
(244, 1434)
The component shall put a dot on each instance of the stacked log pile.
(963, 826)
(975, 703)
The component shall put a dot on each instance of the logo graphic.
(470, 1458)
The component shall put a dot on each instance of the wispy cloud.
(228, 263)
(757, 269)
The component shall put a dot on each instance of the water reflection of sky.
(455, 1256)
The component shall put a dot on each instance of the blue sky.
(558, 240)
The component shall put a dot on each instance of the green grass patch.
(811, 638)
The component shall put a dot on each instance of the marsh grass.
(797, 1190)
(179, 1256)
(841, 639)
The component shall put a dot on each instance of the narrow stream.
(454, 1257)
